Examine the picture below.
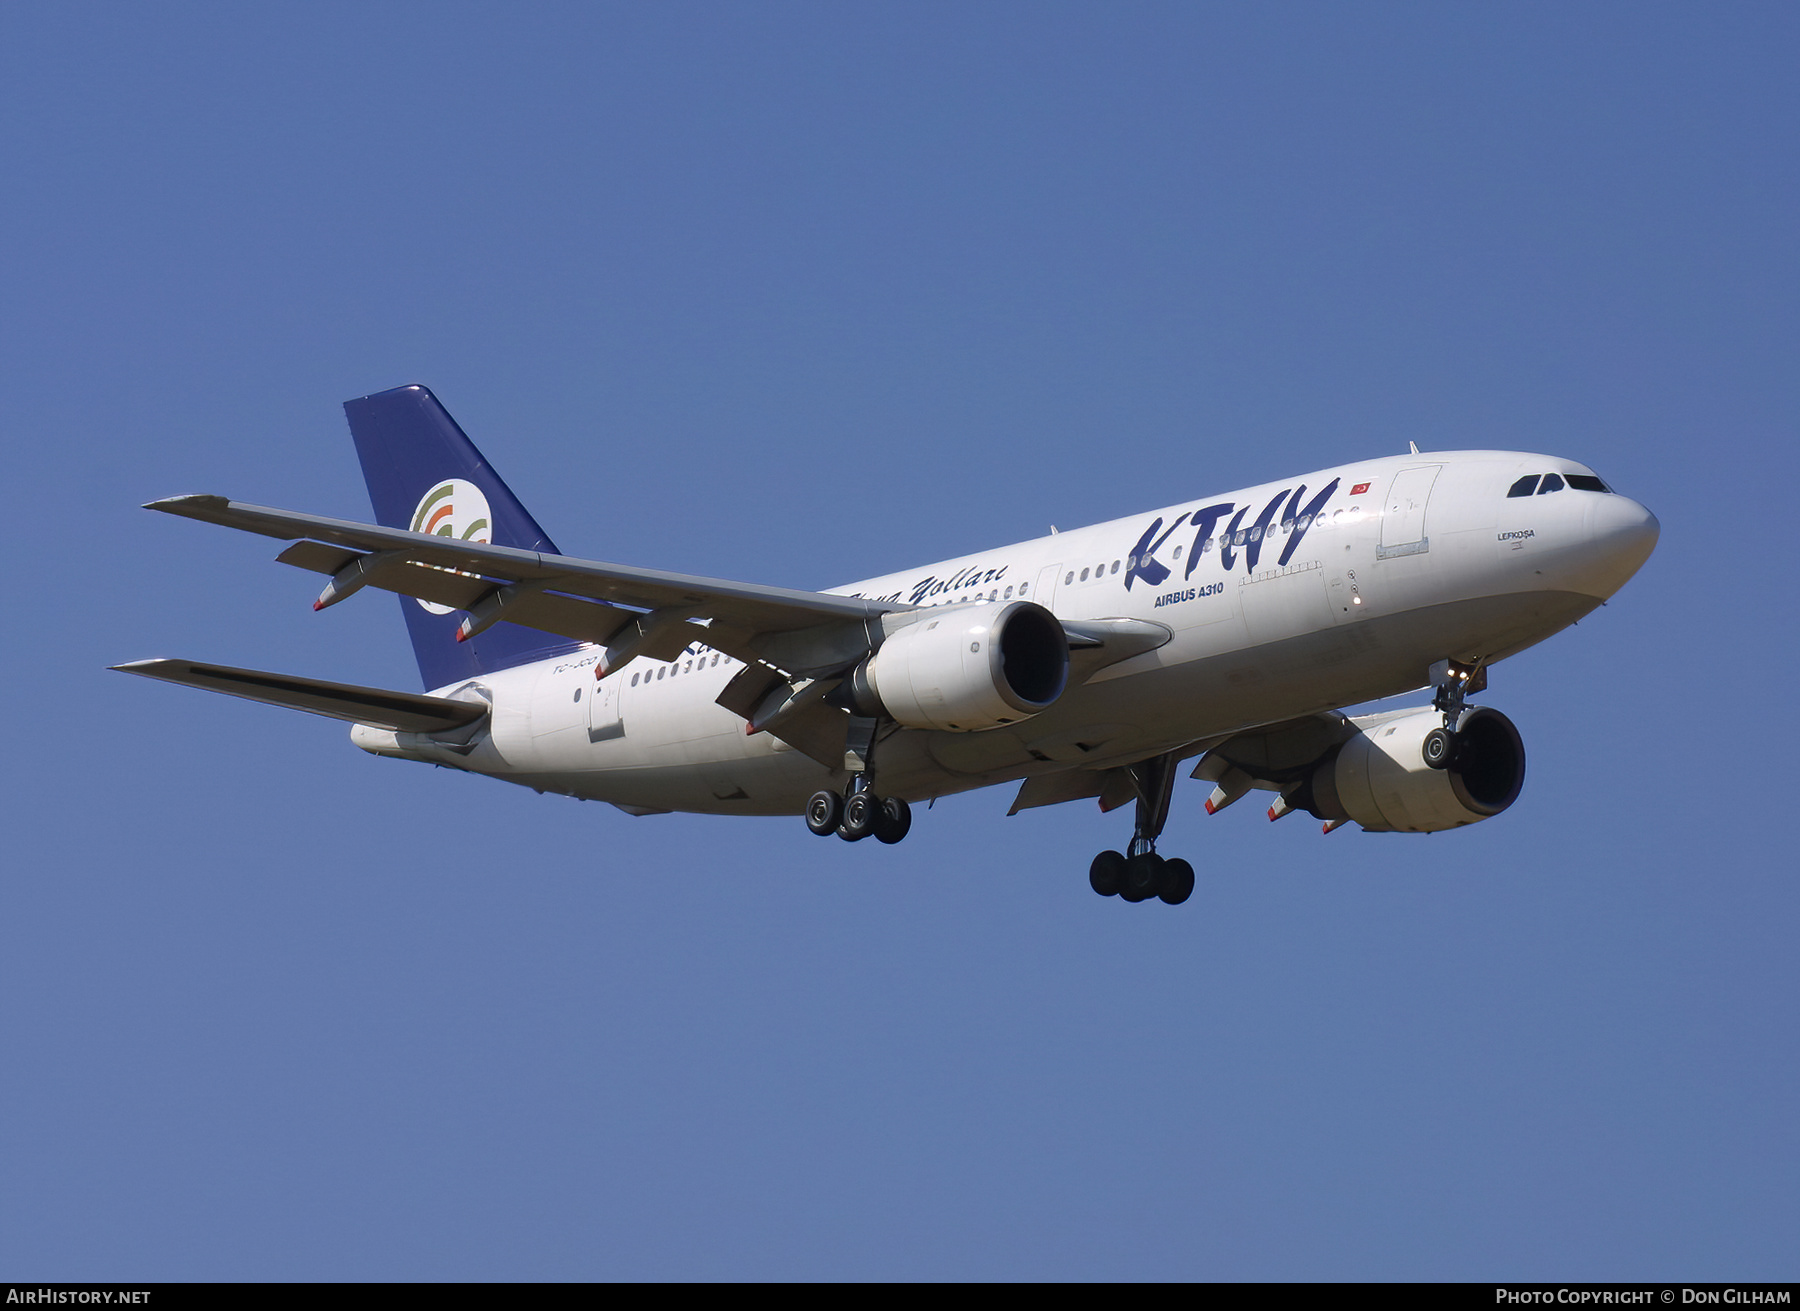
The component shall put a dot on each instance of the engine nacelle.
(1379, 778)
(967, 668)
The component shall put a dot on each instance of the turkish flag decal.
(1359, 489)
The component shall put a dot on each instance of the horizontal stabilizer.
(404, 712)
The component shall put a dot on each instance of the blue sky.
(801, 294)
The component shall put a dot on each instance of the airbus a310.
(1090, 663)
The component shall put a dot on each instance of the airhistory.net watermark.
(77, 1297)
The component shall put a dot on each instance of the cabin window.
(1006, 595)
(1552, 483)
(1115, 567)
(1084, 575)
(1178, 553)
(661, 672)
(1524, 487)
(634, 679)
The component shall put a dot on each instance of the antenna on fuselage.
(1414, 446)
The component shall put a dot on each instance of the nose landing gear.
(1454, 681)
(1140, 874)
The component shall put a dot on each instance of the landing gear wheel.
(824, 812)
(1439, 748)
(893, 819)
(1175, 884)
(860, 815)
(1142, 873)
(1106, 873)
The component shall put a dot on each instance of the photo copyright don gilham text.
(1661, 1296)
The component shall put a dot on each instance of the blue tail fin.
(425, 474)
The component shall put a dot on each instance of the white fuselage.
(1279, 605)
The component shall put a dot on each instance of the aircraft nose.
(1622, 534)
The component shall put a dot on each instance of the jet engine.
(967, 668)
(1379, 777)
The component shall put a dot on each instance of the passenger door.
(1403, 513)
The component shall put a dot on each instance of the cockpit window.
(1586, 482)
(1525, 486)
(1552, 483)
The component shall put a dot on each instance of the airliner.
(1231, 630)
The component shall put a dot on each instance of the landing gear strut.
(858, 812)
(1140, 873)
(1454, 680)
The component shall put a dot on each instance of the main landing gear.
(859, 815)
(1140, 873)
(858, 812)
(1454, 681)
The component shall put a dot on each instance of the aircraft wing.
(405, 712)
(581, 599)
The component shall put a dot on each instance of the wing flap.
(404, 712)
(817, 730)
(1054, 789)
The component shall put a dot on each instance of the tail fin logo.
(454, 508)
